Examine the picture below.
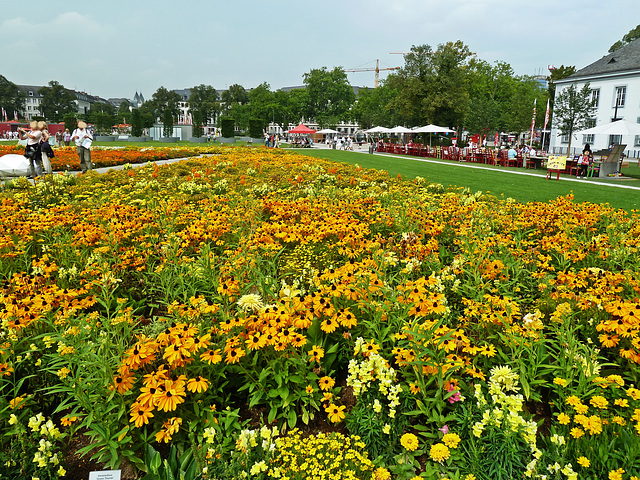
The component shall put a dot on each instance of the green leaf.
(272, 414)
(292, 418)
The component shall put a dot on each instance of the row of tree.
(447, 85)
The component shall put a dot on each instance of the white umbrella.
(619, 127)
(400, 129)
(377, 130)
(432, 129)
(327, 130)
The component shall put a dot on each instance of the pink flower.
(455, 398)
(445, 430)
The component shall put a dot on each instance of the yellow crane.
(377, 70)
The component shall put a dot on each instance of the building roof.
(625, 59)
(31, 88)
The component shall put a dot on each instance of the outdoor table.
(538, 161)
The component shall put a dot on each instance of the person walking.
(67, 137)
(83, 138)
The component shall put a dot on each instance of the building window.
(615, 139)
(636, 142)
(564, 139)
(588, 124)
(30, 93)
(595, 97)
(621, 94)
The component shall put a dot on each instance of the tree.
(433, 85)
(11, 98)
(633, 34)
(573, 110)
(203, 102)
(373, 107)
(235, 94)
(262, 103)
(56, 102)
(124, 112)
(289, 107)
(162, 100)
(491, 90)
(330, 95)
(167, 123)
(136, 123)
(102, 115)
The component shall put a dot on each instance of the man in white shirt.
(83, 139)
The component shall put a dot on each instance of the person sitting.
(512, 153)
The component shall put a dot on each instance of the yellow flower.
(599, 402)
(560, 381)
(409, 441)
(381, 473)
(584, 462)
(451, 440)
(439, 452)
(564, 419)
(576, 432)
(616, 474)
(335, 413)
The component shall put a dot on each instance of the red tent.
(302, 129)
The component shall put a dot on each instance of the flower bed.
(262, 314)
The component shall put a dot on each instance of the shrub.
(255, 128)
(227, 125)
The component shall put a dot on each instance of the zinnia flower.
(409, 441)
(439, 452)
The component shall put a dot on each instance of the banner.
(546, 116)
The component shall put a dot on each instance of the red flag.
(497, 139)
(546, 116)
(533, 120)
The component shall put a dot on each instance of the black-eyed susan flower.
(326, 383)
(335, 413)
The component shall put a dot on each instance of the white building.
(614, 80)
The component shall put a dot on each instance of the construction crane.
(377, 70)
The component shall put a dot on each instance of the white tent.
(327, 130)
(619, 127)
(432, 129)
(13, 165)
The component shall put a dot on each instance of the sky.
(117, 48)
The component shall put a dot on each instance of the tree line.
(447, 85)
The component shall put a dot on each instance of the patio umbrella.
(432, 129)
(619, 127)
(377, 130)
(400, 129)
(327, 130)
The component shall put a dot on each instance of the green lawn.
(498, 181)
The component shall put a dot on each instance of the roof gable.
(624, 59)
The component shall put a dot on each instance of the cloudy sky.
(115, 48)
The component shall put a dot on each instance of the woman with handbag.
(45, 148)
(32, 150)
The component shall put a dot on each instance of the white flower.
(250, 302)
